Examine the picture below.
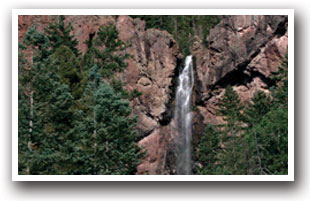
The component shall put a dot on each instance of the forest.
(75, 115)
(254, 138)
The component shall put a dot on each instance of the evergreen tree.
(117, 151)
(255, 110)
(254, 138)
(64, 129)
(272, 134)
(234, 153)
(67, 67)
(267, 120)
(280, 91)
(230, 107)
(207, 151)
(50, 111)
(59, 34)
(227, 149)
(37, 45)
(53, 120)
(108, 137)
(106, 54)
(24, 132)
(107, 51)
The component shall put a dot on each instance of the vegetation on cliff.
(74, 114)
(182, 27)
(254, 139)
(71, 120)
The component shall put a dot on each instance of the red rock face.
(82, 25)
(150, 70)
(26, 21)
(242, 51)
(156, 145)
(271, 56)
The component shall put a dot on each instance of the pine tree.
(35, 43)
(230, 107)
(280, 92)
(253, 113)
(109, 137)
(64, 129)
(108, 50)
(117, 151)
(267, 120)
(24, 132)
(50, 111)
(254, 138)
(67, 67)
(53, 116)
(233, 156)
(59, 34)
(207, 151)
(273, 136)
(38, 44)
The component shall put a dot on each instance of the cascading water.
(183, 118)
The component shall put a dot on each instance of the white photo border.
(17, 177)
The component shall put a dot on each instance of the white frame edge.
(17, 12)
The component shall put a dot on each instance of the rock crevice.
(242, 51)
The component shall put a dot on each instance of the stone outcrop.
(241, 51)
(83, 25)
(151, 71)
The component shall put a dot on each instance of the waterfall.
(183, 118)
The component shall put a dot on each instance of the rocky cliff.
(241, 51)
(152, 71)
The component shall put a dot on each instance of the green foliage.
(23, 131)
(39, 43)
(207, 151)
(53, 119)
(182, 27)
(59, 34)
(67, 65)
(195, 108)
(106, 133)
(230, 106)
(106, 51)
(261, 104)
(254, 139)
(281, 92)
(118, 153)
(134, 94)
(270, 127)
(70, 121)
(233, 153)
(118, 86)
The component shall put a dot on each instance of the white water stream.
(183, 118)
